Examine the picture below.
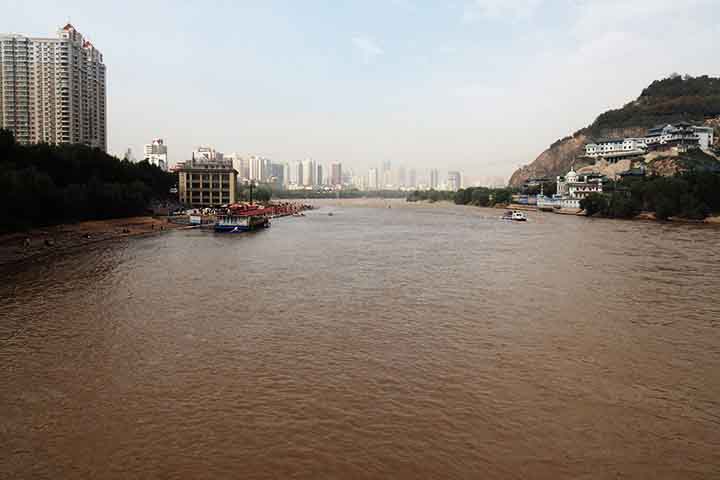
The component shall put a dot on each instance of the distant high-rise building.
(412, 178)
(266, 170)
(401, 177)
(52, 90)
(256, 168)
(129, 155)
(286, 174)
(360, 182)
(156, 153)
(454, 181)
(296, 173)
(309, 172)
(319, 177)
(386, 175)
(277, 174)
(206, 154)
(434, 178)
(336, 178)
(241, 165)
(373, 180)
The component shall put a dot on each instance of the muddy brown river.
(409, 342)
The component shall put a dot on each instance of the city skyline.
(308, 173)
(361, 93)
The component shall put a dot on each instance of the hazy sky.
(482, 86)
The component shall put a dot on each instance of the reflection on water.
(417, 341)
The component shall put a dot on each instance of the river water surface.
(409, 342)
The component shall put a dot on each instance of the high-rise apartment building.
(309, 172)
(454, 181)
(373, 180)
(260, 168)
(434, 178)
(256, 168)
(286, 174)
(401, 177)
(296, 173)
(412, 178)
(336, 178)
(319, 178)
(52, 90)
(277, 174)
(240, 164)
(156, 153)
(386, 180)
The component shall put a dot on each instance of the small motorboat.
(514, 215)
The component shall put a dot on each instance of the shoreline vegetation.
(478, 196)
(692, 196)
(43, 185)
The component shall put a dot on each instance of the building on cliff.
(613, 150)
(679, 135)
(682, 135)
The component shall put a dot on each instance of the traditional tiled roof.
(68, 27)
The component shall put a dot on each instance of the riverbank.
(40, 243)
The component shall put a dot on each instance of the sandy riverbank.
(43, 242)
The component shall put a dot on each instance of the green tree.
(502, 196)
(44, 184)
(594, 203)
(481, 197)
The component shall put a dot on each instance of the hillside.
(673, 99)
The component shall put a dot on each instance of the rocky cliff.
(565, 153)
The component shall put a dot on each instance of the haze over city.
(480, 86)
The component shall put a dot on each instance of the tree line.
(670, 100)
(692, 195)
(47, 184)
(478, 196)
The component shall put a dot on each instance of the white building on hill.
(683, 135)
(616, 149)
(573, 187)
(680, 134)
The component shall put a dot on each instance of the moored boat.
(240, 223)
(243, 218)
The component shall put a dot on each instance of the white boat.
(514, 215)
